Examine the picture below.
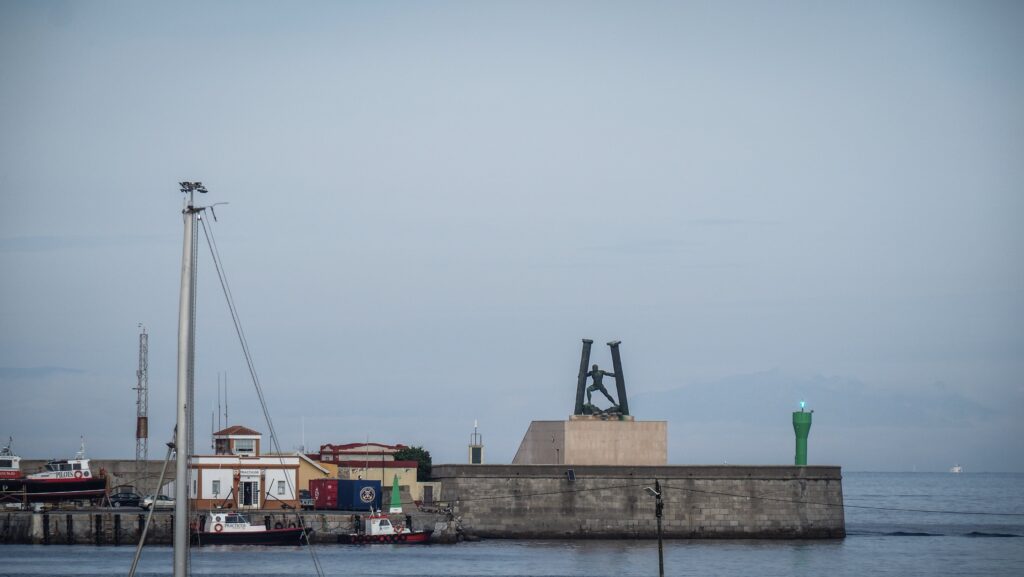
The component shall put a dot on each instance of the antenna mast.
(142, 403)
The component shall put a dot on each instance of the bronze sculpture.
(597, 375)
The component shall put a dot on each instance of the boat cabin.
(10, 464)
(77, 468)
(378, 524)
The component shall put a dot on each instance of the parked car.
(125, 499)
(306, 500)
(159, 502)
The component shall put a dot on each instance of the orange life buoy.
(78, 474)
(218, 527)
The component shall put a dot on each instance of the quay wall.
(106, 527)
(610, 502)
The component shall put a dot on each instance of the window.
(245, 446)
(6, 463)
(77, 466)
(216, 487)
(280, 487)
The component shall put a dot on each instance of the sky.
(430, 204)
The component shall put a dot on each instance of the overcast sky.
(431, 203)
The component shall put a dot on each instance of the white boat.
(956, 469)
(377, 528)
(232, 528)
(60, 479)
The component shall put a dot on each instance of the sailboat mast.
(185, 360)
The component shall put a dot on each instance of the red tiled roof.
(237, 430)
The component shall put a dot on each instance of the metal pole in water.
(658, 506)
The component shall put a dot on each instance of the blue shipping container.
(358, 495)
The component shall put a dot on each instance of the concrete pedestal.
(590, 440)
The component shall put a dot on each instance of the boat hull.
(406, 538)
(36, 491)
(287, 536)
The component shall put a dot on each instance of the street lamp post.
(658, 506)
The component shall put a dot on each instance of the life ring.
(218, 528)
(279, 525)
(78, 474)
(399, 528)
(291, 525)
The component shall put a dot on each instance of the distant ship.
(956, 469)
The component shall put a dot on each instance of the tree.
(422, 458)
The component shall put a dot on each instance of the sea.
(890, 532)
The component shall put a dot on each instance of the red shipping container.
(324, 493)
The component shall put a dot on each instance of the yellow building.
(310, 469)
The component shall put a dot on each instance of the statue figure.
(598, 375)
(621, 407)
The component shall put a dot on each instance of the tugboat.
(377, 528)
(60, 480)
(231, 528)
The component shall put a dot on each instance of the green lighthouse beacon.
(802, 427)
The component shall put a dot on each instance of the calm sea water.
(879, 543)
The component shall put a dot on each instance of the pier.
(109, 527)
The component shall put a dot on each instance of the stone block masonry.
(609, 502)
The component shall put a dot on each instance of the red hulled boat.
(377, 528)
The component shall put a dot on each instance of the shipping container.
(345, 494)
(358, 495)
(325, 493)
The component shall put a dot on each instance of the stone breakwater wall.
(610, 502)
(123, 528)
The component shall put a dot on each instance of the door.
(248, 494)
(428, 493)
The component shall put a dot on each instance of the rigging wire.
(215, 253)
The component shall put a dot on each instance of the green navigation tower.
(802, 427)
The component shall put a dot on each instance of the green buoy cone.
(396, 498)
